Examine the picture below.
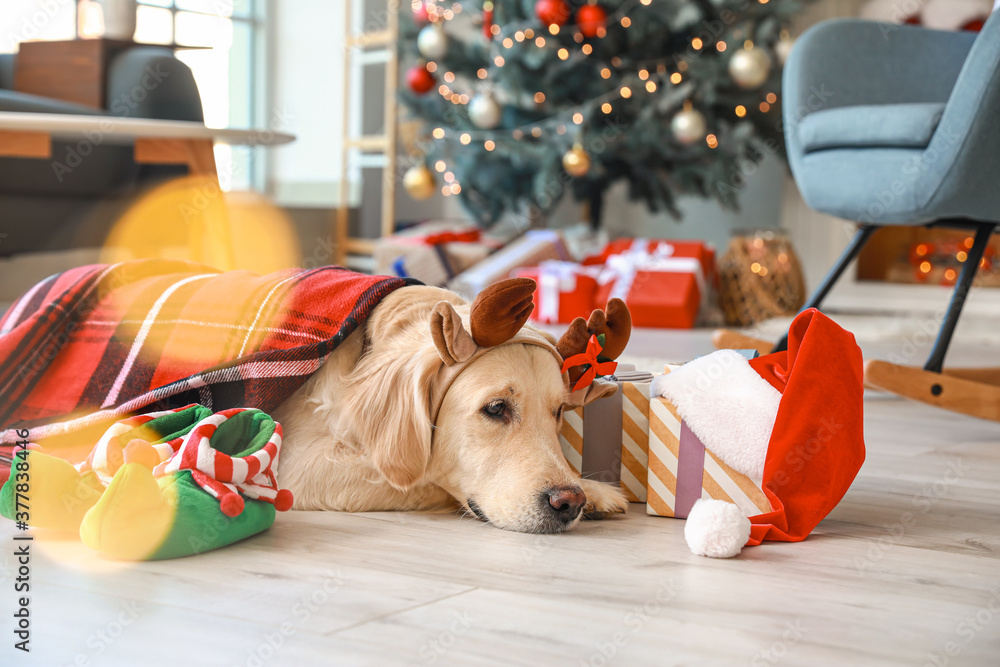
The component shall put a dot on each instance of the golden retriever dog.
(414, 412)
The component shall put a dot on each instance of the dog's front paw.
(603, 499)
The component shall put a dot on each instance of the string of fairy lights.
(688, 125)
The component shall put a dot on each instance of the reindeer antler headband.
(497, 317)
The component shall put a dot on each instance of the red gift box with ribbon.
(565, 290)
(703, 252)
(663, 283)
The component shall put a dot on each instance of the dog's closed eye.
(558, 413)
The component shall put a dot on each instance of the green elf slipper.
(216, 486)
(50, 492)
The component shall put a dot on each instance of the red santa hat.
(791, 421)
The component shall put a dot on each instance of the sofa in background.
(45, 208)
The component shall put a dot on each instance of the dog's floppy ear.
(387, 411)
(453, 342)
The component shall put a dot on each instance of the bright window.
(225, 66)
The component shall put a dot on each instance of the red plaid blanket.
(99, 343)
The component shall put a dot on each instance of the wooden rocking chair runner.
(912, 113)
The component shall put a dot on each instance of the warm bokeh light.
(675, 78)
(489, 145)
(578, 118)
(712, 141)
(696, 43)
(741, 111)
(925, 267)
(606, 107)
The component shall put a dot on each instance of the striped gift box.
(609, 438)
(681, 470)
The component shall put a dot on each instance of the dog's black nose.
(566, 502)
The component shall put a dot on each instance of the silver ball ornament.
(749, 68)
(484, 112)
(783, 48)
(688, 126)
(432, 42)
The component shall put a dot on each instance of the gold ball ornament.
(749, 68)
(576, 162)
(688, 126)
(419, 182)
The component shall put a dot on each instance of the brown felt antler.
(615, 322)
(500, 311)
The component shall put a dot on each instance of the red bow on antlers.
(589, 356)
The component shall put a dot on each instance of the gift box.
(531, 249)
(608, 439)
(681, 470)
(703, 252)
(432, 252)
(663, 284)
(565, 290)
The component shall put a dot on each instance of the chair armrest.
(848, 62)
(149, 82)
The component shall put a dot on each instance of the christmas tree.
(523, 102)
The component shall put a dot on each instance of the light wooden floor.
(906, 569)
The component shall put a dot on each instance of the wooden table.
(30, 135)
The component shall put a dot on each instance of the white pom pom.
(716, 529)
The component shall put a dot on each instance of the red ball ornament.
(420, 14)
(420, 79)
(552, 12)
(488, 24)
(591, 19)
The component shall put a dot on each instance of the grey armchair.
(900, 125)
(40, 210)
